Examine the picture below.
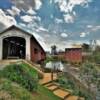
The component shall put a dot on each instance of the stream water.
(55, 65)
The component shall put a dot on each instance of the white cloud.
(20, 1)
(63, 6)
(26, 4)
(95, 28)
(51, 1)
(31, 11)
(74, 13)
(89, 26)
(13, 11)
(6, 20)
(30, 18)
(64, 44)
(57, 20)
(64, 35)
(51, 16)
(42, 29)
(68, 18)
(37, 18)
(68, 6)
(38, 4)
(83, 34)
(27, 18)
(22, 24)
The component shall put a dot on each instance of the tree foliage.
(85, 47)
(89, 74)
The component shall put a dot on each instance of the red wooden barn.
(73, 55)
(16, 43)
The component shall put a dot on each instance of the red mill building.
(17, 43)
(73, 55)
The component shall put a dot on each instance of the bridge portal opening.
(14, 48)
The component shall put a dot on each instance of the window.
(41, 53)
(35, 50)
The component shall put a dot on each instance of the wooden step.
(49, 84)
(61, 93)
(12, 57)
(53, 87)
(72, 98)
(81, 98)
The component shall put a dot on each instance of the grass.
(29, 69)
(64, 83)
(22, 74)
(13, 90)
(45, 94)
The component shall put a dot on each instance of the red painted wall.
(73, 55)
(37, 53)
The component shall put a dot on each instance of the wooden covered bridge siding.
(73, 55)
(37, 52)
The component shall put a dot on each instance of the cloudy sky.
(59, 22)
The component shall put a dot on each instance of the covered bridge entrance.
(14, 47)
(17, 43)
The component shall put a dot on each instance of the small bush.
(40, 76)
(11, 91)
(69, 84)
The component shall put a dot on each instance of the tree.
(85, 47)
(54, 50)
(95, 57)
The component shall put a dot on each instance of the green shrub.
(20, 75)
(40, 76)
(69, 84)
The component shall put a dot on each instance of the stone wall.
(79, 85)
